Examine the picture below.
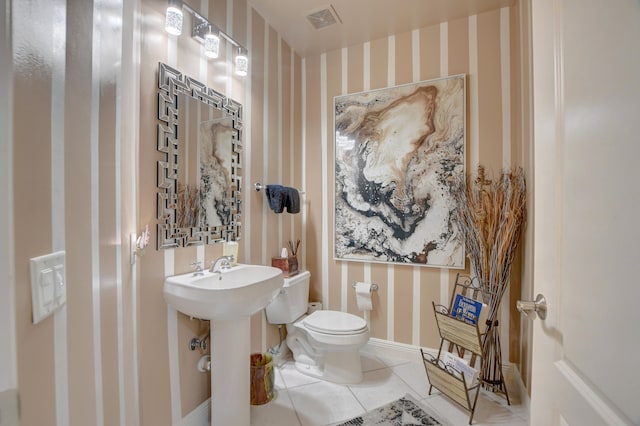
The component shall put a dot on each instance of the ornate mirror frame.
(172, 83)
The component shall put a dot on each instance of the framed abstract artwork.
(397, 153)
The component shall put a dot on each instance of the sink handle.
(197, 267)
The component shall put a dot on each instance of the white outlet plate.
(48, 284)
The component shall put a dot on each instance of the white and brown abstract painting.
(398, 151)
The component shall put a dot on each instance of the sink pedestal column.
(230, 372)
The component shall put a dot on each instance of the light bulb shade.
(242, 64)
(211, 45)
(173, 22)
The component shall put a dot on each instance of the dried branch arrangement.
(189, 209)
(491, 217)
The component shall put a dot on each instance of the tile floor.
(304, 401)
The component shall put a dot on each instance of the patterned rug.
(403, 412)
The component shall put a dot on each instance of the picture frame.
(398, 151)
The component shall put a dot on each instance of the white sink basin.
(230, 294)
(227, 299)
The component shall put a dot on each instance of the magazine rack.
(461, 337)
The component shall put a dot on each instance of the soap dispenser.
(230, 248)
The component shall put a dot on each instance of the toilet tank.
(292, 301)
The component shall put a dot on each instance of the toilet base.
(342, 367)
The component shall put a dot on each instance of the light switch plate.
(48, 284)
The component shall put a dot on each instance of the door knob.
(530, 309)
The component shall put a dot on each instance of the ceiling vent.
(323, 18)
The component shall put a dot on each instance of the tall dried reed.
(189, 209)
(491, 217)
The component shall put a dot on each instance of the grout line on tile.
(356, 397)
(405, 382)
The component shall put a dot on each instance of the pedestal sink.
(228, 299)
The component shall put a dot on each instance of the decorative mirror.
(199, 179)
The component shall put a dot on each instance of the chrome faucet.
(197, 267)
(220, 264)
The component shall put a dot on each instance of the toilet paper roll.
(363, 296)
(314, 306)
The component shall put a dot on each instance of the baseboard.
(198, 417)
(397, 350)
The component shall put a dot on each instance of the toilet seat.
(335, 323)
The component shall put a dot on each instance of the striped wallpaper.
(74, 187)
(483, 47)
(79, 109)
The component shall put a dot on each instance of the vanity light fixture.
(242, 62)
(173, 20)
(211, 45)
(205, 33)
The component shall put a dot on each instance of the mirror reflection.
(204, 164)
(199, 183)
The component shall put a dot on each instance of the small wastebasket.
(262, 378)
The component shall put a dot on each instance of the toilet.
(325, 344)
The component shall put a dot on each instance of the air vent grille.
(323, 18)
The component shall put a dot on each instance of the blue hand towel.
(281, 197)
(293, 200)
(276, 197)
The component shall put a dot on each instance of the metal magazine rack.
(463, 339)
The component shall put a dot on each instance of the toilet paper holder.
(374, 286)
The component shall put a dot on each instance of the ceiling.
(361, 20)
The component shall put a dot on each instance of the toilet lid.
(335, 322)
